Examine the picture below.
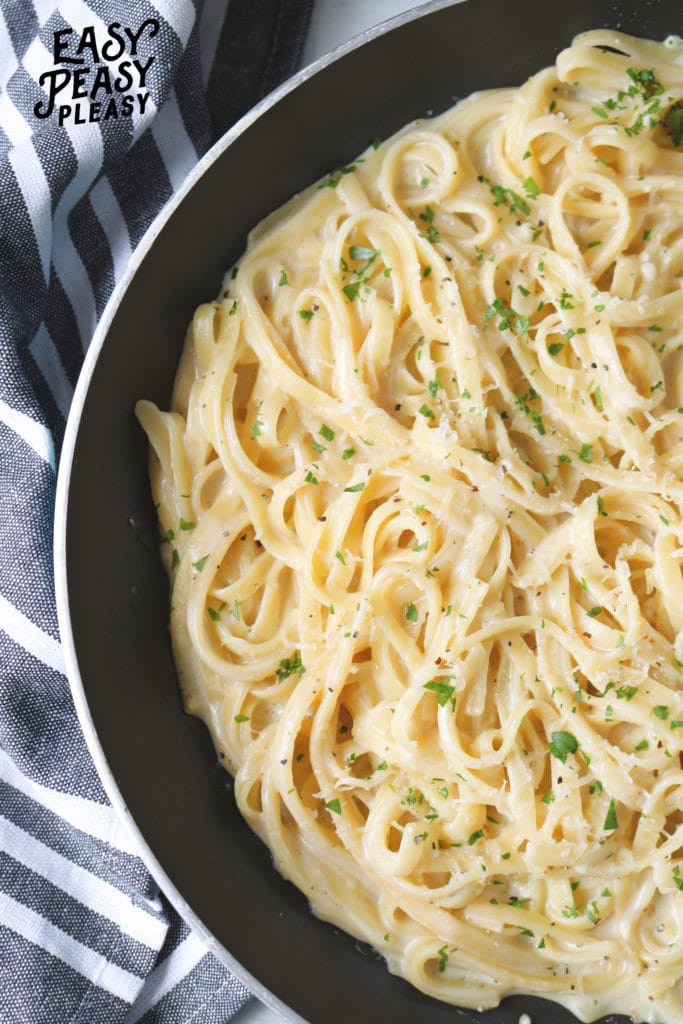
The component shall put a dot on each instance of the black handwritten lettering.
(99, 77)
(142, 70)
(101, 82)
(153, 25)
(57, 81)
(59, 45)
(79, 82)
(125, 79)
(89, 42)
(115, 45)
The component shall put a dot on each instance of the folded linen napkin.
(105, 106)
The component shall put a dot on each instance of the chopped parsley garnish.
(510, 318)
(351, 290)
(611, 823)
(523, 403)
(562, 743)
(430, 233)
(288, 666)
(645, 83)
(186, 524)
(538, 422)
(507, 197)
(326, 432)
(434, 386)
(336, 176)
(442, 691)
(673, 123)
(283, 279)
(644, 88)
(479, 834)
(241, 718)
(358, 253)
(199, 565)
(334, 805)
(354, 488)
(531, 188)
(306, 314)
(257, 424)
(361, 252)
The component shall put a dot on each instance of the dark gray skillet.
(157, 764)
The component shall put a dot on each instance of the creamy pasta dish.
(420, 498)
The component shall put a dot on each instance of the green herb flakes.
(288, 666)
(561, 744)
(611, 823)
(443, 692)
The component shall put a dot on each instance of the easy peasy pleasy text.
(95, 81)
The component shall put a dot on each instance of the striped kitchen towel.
(97, 97)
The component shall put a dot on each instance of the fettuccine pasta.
(420, 499)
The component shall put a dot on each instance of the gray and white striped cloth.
(105, 105)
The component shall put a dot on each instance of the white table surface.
(333, 22)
